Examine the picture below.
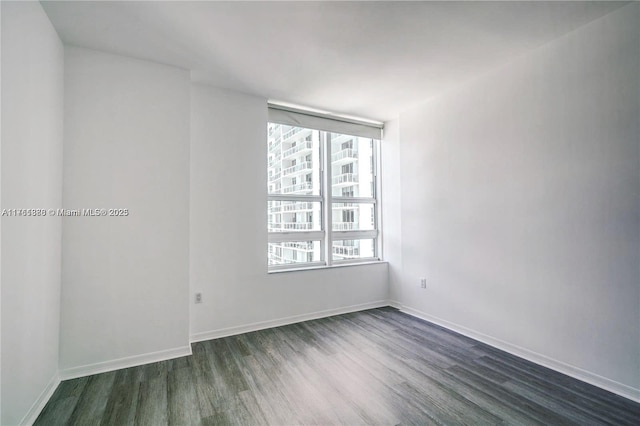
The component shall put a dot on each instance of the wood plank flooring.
(375, 367)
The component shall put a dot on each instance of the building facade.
(294, 168)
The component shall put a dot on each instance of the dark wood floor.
(372, 367)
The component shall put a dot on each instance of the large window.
(322, 203)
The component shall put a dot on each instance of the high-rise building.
(294, 156)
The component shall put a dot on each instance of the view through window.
(321, 194)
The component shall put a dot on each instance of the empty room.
(320, 213)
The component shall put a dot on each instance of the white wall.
(32, 108)
(0, 219)
(125, 279)
(520, 203)
(392, 207)
(228, 246)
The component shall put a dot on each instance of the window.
(322, 201)
(348, 191)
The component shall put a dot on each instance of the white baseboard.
(41, 401)
(559, 366)
(396, 304)
(247, 328)
(131, 361)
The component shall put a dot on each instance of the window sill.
(315, 268)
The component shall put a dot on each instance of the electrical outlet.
(198, 298)
(423, 283)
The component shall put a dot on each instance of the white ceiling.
(368, 59)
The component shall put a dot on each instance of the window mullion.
(326, 191)
(355, 235)
(376, 194)
(278, 237)
(303, 198)
(356, 200)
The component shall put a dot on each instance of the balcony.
(304, 246)
(300, 148)
(297, 133)
(275, 145)
(344, 179)
(346, 251)
(343, 226)
(344, 156)
(298, 207)
(299, 226)
(291, 132)
(300, 167)
(274, 259)
(274, 176)
(344, 206)
(274, 226)
(273, 162)
(299, 187)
